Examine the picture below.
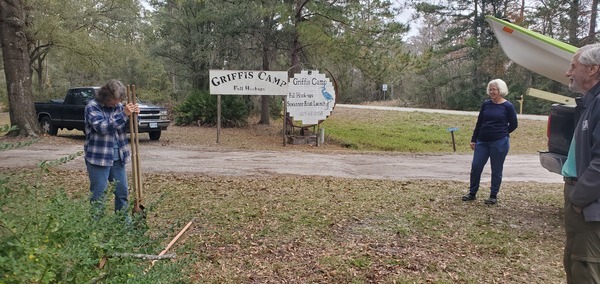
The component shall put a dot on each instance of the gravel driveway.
(172, 154)
(197, 160)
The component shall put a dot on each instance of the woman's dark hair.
(113, 89)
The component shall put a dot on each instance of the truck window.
(85, 96)
(79, 96)
(70, 98)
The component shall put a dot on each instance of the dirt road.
(190, 155)
(198, 160)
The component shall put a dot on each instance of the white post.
(321, 136)
(218, 118)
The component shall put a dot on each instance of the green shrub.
(48, 237)
(276, 107)
(201, 107)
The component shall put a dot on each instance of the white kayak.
(534, 51)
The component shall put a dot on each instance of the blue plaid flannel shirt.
(104, 126)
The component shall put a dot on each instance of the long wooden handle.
(134, 154)
(174, 240)
(137, 149)
(133, 148)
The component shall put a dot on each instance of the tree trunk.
(573, 24)
(295, 48)
(40, 75)
(593, 17)
(37, 57)
(295, 54)
(17, 68)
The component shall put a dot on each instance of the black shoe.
(490, 201)
(469, 197)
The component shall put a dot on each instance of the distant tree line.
(167, 47)
(460, 54)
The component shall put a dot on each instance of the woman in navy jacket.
(497, 119)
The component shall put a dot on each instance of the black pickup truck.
(561, 125)
(69, 113)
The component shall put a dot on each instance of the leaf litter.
(299, 229)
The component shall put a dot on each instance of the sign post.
(218, 119)
(451, 130)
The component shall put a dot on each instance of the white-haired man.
(582, 172)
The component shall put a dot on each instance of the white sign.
(248, 82)
(311, 97)
(384, 87)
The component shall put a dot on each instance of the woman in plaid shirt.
(106, 144)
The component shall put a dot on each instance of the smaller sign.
(311, 97)
(384, 87)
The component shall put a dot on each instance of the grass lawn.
(295, 229)
(418, 132)
(299, 229)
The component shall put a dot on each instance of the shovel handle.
(137, 148)
(135, 165)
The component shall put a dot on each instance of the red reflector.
(508, 30)
(548, 129)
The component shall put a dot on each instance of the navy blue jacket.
(495, 121)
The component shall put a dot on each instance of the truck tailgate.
(552, 162)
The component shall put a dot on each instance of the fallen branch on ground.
(143, 256)
(172, 242)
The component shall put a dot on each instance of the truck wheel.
(47, 126)
(154, 135)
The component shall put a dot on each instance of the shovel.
(135, 154)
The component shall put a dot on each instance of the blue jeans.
(100, 176)
(496, 151)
